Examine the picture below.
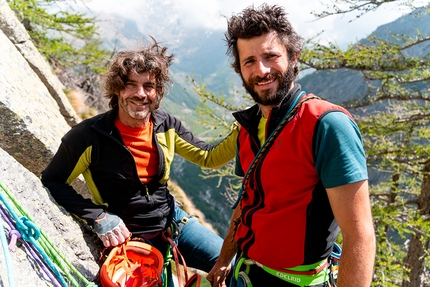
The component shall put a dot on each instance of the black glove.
(111, 229)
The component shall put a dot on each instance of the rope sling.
(271, 138)
(37, 244)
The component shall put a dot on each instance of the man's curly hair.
(254, 22)
(151, 58)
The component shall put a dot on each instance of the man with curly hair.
(303, 167)
(125, 156)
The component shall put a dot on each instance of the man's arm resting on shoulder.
(351, 208)
(228, 250)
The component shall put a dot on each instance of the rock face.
(34, 115)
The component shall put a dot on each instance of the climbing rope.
(13, 236)
(45, 250)
(290, 114)
(6, 255)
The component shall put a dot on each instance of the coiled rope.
(43, 248)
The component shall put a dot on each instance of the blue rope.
(10, 273)
(30, 232)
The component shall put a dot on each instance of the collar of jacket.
(250, 118)
(105, 122)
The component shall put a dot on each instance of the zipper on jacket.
(148, 196)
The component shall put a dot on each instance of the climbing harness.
(37, 244)
(167, 237)
(177, 226)
(303, 275)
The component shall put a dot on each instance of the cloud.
(210, 14)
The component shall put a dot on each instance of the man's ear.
(295, 58)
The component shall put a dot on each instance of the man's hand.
(228, 250)
(217, 275)
(111, 229)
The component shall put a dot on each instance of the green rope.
(49, 248)
(265, 147)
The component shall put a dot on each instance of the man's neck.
(134, 123)
(265, 110)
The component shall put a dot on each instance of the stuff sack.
(133, 263)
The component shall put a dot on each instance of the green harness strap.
(300, 275)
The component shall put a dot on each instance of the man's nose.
(263, 68)
(141, 91)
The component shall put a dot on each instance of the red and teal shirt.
(286, 219)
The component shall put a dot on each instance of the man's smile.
(265, 81)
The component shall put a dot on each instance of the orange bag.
(133, 264)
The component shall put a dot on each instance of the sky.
(209, 14)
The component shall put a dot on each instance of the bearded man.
(303, 167)
(125, 156)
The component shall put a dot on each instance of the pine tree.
(69, 42)
(393, 116)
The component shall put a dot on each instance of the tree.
(393, 115)
(396, 139)
(68, 40)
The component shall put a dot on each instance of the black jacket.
(94, 148)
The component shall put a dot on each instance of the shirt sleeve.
(339, 153)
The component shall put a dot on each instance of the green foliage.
(67, 40)
(217, 118)
(360, 6)
(393, 117)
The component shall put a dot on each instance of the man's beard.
(271, 97)
(140, 113)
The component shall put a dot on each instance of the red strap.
(176, 253)
(310, 272)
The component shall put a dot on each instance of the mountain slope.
(343, 85)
